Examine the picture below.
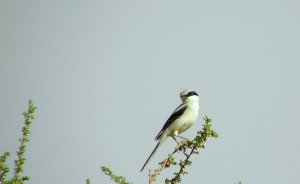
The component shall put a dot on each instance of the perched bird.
(183, 117)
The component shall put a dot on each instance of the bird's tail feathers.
(160, 141)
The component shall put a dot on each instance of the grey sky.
(105, 76)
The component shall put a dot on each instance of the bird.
(182, 118)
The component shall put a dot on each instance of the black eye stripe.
(191, 93)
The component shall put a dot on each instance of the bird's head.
(189, 95)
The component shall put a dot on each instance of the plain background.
(105, 76)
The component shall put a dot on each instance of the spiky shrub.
(20, 161)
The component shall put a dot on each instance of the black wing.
(176, 114)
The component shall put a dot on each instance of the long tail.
(151, 155)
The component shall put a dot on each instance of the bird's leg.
(179, 147)
(182, 137)
(175, 140)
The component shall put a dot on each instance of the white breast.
(188, 118)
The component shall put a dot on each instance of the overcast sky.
(106, 75)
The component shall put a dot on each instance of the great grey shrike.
(183, 117)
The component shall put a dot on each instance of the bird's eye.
(191, 93)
